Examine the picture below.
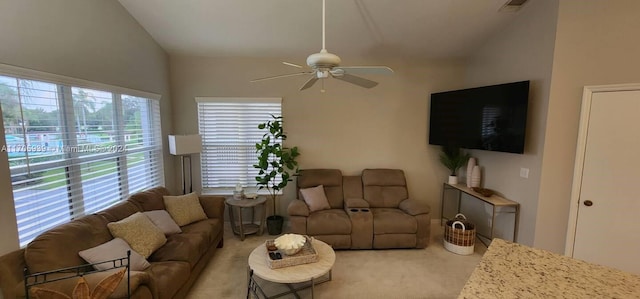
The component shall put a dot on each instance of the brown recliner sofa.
(174, 267)
(367, 211)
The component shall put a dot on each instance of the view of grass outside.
(56, 178)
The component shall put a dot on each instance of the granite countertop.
(509, 270)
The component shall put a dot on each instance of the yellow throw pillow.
(141, 234)
(184, 209)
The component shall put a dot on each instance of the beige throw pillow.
(114, 249)
(141, 234)
(163, 221)
(315, 198)
(184, 209)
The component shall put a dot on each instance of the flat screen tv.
(490, 118)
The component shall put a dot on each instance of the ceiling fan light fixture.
(322, 74)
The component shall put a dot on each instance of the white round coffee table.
(311, 272)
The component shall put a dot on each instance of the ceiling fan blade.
(362, 82)
(369, 70)
(281, 76)
(292, 64)
(309, 82)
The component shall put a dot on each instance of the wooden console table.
(494, 200)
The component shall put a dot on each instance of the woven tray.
(306, 255)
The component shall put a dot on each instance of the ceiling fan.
(324, 65)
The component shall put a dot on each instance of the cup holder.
(364, 210)
(354, 210)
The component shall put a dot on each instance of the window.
(229, 130)
(74, 151)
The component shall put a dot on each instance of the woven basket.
(459, 235)
(306, 255)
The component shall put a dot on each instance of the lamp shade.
(185, 144)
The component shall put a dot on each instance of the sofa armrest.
(414, 207)
(12, 266)
(355, 203)
(213, 206)
(298, 208)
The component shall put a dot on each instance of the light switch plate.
(524, 173)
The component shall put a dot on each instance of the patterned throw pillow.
(141, 234)
(81, 291)
(184, 209)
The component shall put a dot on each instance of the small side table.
(241, 227)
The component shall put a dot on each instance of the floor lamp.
(185, 146)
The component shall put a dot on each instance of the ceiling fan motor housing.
(323, 59)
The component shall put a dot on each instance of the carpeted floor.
(432, 272)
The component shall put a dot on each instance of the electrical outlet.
(524, 173)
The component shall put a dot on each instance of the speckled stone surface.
(509, 270)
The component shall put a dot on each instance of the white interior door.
(606, 229)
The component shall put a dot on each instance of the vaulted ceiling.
(293, 28)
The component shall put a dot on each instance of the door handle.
(588, 203)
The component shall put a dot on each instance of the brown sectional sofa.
(371, 210)
(174, 267)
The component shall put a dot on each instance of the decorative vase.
(470, 165)
(453, 180)
(476, 176)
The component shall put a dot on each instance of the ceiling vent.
(512, 5)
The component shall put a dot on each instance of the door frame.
(576, 186)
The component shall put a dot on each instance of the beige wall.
(347, 127)
(95, 40)
(521, 51)
(596, 44)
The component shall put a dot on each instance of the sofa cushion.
(329, 222)
(384, 188)
(331, 179)
(185, 209)
(393, 221)
(352, 186)
(181, 247)
(59, 247)
(114, 249)
(141, 234)
(150, 199)
(209, 229)
(315, 198)
(167, 278)
(163, 221)
(119, 211)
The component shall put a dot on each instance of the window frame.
(119, 95)
(249, 100)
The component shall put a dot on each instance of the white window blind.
(229, 130)
(74, 151)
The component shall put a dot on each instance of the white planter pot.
(453, 180)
